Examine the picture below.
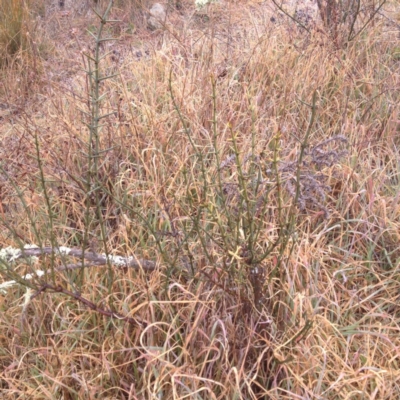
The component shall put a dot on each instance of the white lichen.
(38, 273)
(30, 246)
(10, 254)
(27, 298)
(4, 286)
(116, 260)
(64, 250)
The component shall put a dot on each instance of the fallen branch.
(10, 254)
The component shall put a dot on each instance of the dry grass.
(200, 112)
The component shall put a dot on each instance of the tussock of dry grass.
(327, 324)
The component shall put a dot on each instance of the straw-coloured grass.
(253, 165)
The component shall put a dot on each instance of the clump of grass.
(14, 41)
(22, 46)
(227, 229)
